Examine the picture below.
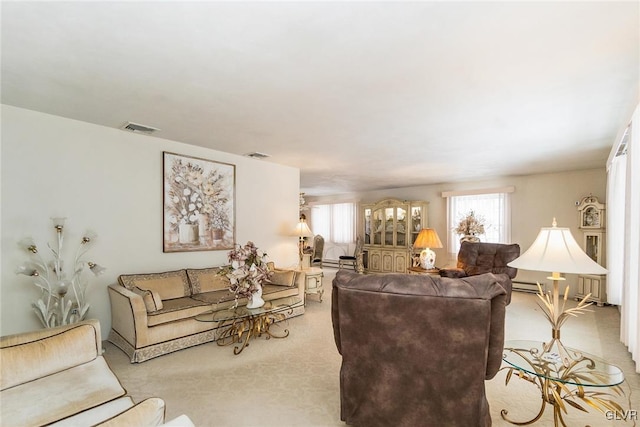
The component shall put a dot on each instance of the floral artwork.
(199, 204)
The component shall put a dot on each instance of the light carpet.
(295, 381)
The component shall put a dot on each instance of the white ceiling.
(358, 95)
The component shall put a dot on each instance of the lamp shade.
(555, 250)
(303, 230)
(428, 238)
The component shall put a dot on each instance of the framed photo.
(199, 204)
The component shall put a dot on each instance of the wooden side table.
(313, 282)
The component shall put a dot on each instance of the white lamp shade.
(303, 230)
(555, 250)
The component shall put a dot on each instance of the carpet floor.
(294, 381)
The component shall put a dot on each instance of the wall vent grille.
(257, 155)
(138, 128)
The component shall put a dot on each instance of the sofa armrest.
(454, 273)
(148, 413)
(128, 314)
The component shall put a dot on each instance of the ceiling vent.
(138, 128)
(257, 155)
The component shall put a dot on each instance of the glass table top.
(580, 368)
(269, 307)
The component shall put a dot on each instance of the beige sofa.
(58, 377)
(154, 314)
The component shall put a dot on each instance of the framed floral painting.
(199, 204)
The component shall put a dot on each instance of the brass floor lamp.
(555, 250)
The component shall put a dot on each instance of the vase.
(188, 233)
(470, 238)
(256, 300)
(216, 234)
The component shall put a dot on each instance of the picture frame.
(198, 204)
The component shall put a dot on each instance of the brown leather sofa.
(479, 258)
(416, 349)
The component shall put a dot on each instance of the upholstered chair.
(417, 349)
(478, 258)
(318, 248)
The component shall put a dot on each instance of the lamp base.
(428, 259)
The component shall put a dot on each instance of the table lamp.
(302, 230)
(555, 250)
(427, 239)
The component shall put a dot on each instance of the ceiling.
(358, 95)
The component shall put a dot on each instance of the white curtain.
(616, 185)
(623, 230)
(335, 222)
(494, 208)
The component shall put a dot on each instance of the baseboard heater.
(531, 287)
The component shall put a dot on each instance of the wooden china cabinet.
(390, 227)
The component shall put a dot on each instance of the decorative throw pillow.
(283, 277)
(151, 299)
(169, 285)
(206, 280)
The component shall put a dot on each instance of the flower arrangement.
(193, 193)
(470, 225)
(62, 300)
(247, 270)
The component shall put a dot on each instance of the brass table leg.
(242, 330)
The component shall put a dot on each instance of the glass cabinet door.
(416, 223)
(378, 226)
(367, 226)
(401, 227)
(389, 225)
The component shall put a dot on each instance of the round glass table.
(566, 377)
(240, 324)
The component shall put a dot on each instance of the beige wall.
(536, 201)
(110, 181)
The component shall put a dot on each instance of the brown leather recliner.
(478, 258)
(417, 349)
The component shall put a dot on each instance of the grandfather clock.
(592, 222)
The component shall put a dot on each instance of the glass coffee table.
(241, 324)
(581, 382)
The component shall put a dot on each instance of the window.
(491, 205)
(335, 222)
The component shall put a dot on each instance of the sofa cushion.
(283, 277)
(148, 413)
(91, 416)
(170, 284)
(22, 361)
(271, 292)
(177, 309)
(206, 280)
(41, 401)
(152, 300)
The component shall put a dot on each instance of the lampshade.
(555, 250)
(303, 230)
(428, 238)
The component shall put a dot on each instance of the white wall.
(110, 181)
(536, 201)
